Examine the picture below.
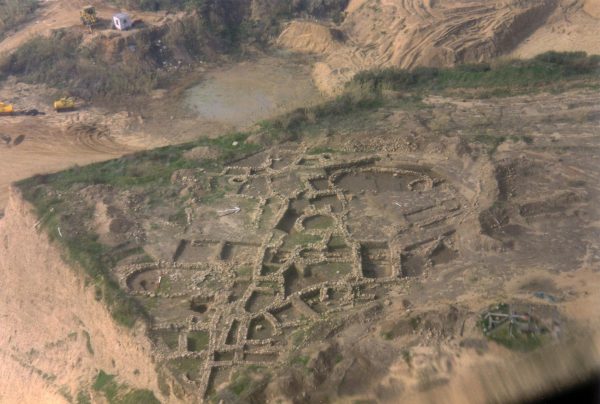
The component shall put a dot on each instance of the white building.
(122, 22)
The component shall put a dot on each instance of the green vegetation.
(492, 141)
(300, 360)
(518, 335)
(155, 5)
(516, 340)
(95, 71)
(243, 271)
(106, 384)
(512, 76)
(337, 242)
(197, 341)
(190, 367)
(15, 12)
(405, 89)
(119, 393)
(248, 384)
(88, 342)
(170, 338)
(66, 393)
(84, 249)
(319, 222)
(387, 335)
(140, 396)
(83, 397)
(406, 355)
(321, 150)
(301, 239)
(149, 173)
(61, 61)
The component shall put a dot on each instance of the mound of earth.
(309, 36)
(411, 33)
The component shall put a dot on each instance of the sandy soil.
(575, 28)
(55, 335)
(410, 33)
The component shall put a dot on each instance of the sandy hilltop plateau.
(299, 201)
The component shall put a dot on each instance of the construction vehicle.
(6, 109)
(64, 104)
(88, 17)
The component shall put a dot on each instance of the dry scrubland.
(370, 247)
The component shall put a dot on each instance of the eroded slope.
(411, 33)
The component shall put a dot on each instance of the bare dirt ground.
(50, 141)
(57, 14)
(410, 33)
(573, 27)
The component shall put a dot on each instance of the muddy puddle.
(253, 90)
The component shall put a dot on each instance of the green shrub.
(15, 12)
(543, 69)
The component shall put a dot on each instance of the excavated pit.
(301, 247)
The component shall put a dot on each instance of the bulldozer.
(6, 109)
(64, 104)
(88, 17)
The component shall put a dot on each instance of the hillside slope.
(56, 336)
(410, 33)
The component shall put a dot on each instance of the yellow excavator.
(64, 104)
(88, 17)
(6, 109)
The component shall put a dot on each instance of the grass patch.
(243, 271)
(523, 335)
(337, 242)
(14, 13)
(319, 222)
(83, 397)
(116, 393)
(321, 150)
(301, 239)
(506, 77)
(106, 384)
(300, 360)
(170, 338)
(248, 384)
(197, 341)
(518, 341)
(190, 367)
(141, 396)
(491, 142)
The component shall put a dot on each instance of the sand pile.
(410, 33)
